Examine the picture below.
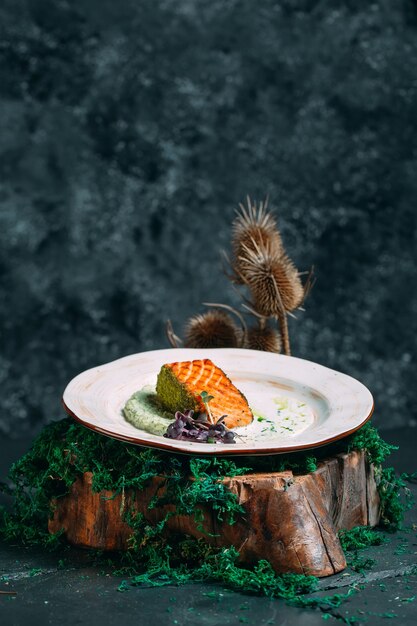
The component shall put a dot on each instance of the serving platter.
(297, 404)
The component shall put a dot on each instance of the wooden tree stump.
(290, 520)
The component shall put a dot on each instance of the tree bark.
(290, 520)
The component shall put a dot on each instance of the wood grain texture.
(290, 520)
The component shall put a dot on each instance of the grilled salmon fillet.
(180, 384)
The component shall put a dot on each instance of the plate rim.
(166, 446)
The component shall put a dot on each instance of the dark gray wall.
(130, 130)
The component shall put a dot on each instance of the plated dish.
(295, 404)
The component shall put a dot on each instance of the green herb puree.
(143, 410)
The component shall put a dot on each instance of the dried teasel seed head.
(214, 329)
(253, 224)
(272, 278)
(266, 339)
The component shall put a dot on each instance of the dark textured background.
(129, 131)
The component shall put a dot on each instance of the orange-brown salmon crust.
(203, 375)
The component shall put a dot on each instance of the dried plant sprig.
(214, 329)
(227, 307)
(253, 223)
(274, 283)
(265, 272)
(173, 339)
(309, 284)
(266, 339)
(275, 288)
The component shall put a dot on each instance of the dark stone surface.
(130, 130)
(80, 594)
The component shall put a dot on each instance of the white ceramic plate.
(297, 404)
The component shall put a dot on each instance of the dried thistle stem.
(173, 339)
(283, 322)
(309, 284)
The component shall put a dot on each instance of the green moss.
(172, 394)
(65, 450)
(368, 438)
(323, 603)
(357, 539)
(221, 566)
(395, 497)
(360, 538)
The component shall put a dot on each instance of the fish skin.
(203, 375)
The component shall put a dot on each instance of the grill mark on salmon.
(199, 375)
(203, 375)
